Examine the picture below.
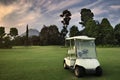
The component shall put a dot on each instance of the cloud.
(20, 13)
(64, 4)
(114, 19)
(92, 4)
(75, 15)
(116, 7)
(5, 10)
(98, 10)
(36, 13)
(7, 2)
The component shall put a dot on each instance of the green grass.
(46, 63)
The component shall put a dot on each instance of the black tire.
(79, 71)
(65, 65)
(98, 71)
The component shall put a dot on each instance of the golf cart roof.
(81, 38)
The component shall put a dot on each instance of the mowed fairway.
(46, 63)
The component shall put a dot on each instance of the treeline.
(49, 35)
(103, 31)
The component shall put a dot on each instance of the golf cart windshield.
(85, 49)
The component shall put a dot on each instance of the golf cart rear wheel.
(79, 71)
(65, 65)
(98, 71)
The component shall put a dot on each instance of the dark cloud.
(7, 2)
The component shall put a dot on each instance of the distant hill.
(31, 32)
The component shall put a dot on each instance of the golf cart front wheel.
(98, 71)
(79, 71)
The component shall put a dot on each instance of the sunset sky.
(36, 13)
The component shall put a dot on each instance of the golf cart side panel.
(69, 61)
(87, 63)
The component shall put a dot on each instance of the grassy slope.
(46, 63)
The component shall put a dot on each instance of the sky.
(36, 13)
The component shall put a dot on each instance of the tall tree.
(74, 31)
(66, 15)
(27, 36)
(117, 33)
(86, 14)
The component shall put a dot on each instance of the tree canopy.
(117, 34)
(86, 14)
(49, 35)
(2, 32)
(66, 15)
(13, 31)
(107, 32)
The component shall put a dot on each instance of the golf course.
(46, 63)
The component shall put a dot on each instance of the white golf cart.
(81, 56)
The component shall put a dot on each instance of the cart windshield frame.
(85, 49)
(82, 46)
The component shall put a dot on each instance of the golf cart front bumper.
(89, 64)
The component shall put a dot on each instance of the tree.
(107, 34)
(74, 31)
(50, 35)
(7, 42)
(34, 40)
(63, 32)
(13, 32)
(86, 14)
(18, 41)
(66, 15)
(53, 35)
(27, 36)
(91, 28)
(4, 39)
(117, 33)
(2, 32)
(44, 35)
